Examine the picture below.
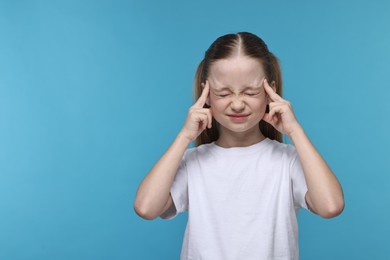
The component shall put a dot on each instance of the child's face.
(237, 96)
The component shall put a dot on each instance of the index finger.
(203, 97)
(271, 93)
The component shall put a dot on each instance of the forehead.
(236, 72)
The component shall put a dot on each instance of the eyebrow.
(245, 88)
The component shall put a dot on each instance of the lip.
(238, 117)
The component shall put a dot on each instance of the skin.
(227, 93)
(237, 88)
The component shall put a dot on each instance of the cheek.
(218, 107)
(218, 104)
(259, 106)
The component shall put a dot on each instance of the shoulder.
(282, 150)
(198, 152)
(285, 155)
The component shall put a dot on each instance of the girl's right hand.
(198, 117)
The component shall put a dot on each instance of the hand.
(281, 115)
(198, 117)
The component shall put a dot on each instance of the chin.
(241, 128)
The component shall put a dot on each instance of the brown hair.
(224, 47)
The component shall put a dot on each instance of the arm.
(324, 196)
(153, 194)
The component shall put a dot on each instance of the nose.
(237, 104)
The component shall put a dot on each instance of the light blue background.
(93, 92)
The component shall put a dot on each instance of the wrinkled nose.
(237, 104)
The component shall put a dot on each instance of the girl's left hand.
(281, 115)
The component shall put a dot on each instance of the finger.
(207, 112)
(276, 104)
(203, 97)
(198, 117)
(270, 120)
(203, 121)
(282, 107)
(271, 93)
(202, 115)
(266, 118)
(275, 109)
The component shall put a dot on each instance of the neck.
(229, 138)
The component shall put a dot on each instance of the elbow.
(332, 210)
(142, 212)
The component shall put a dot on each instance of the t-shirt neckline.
(241, 150)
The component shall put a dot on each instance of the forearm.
(153, 192)
(325, 195)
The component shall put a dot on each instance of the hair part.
(230, 45)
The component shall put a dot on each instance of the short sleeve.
(299, 187)
(179, 192)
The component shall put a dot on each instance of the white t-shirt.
(242, 202)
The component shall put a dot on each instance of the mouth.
(238, 117)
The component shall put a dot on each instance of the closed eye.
(222, 94)
(251, 94)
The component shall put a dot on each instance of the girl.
(241, 185)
